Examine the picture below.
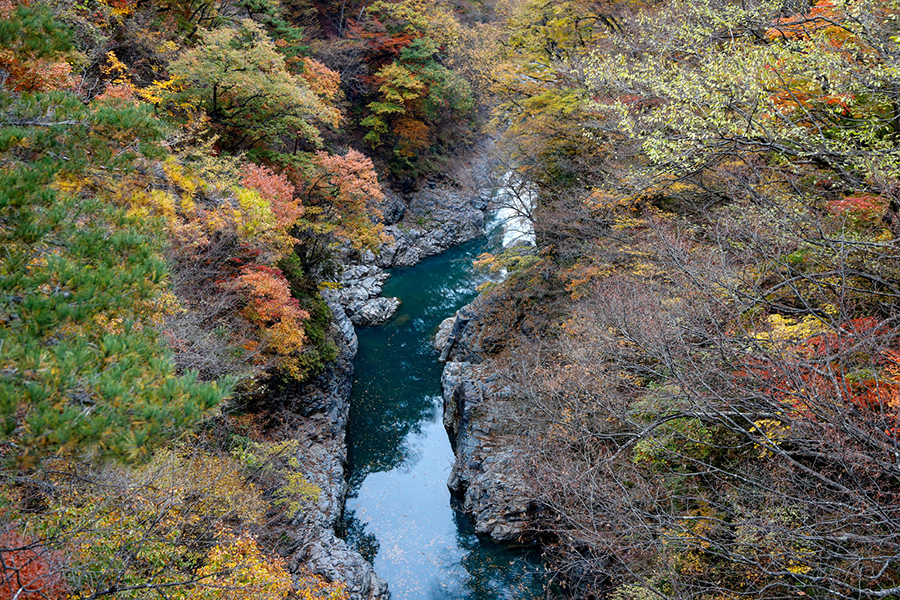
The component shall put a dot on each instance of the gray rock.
(354, 294)
(481, 201)
(435, 220)
(485, 471)
(354, 272)
(322, 455)
(373, 312)
(336, 561)
(372, 285)
(393, 208)
(367, 257)
(443, 334)
(341, 321)
(408, 257)
(462, 344)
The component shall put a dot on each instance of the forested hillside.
(178, 179)
(704, 337)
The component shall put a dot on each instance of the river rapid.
(399, 512)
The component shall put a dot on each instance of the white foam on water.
(515, 201)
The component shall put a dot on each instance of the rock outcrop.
(486, 473)
(372, 312)
(487, 468)
(427, 223)
(325, 405)
(434, 220)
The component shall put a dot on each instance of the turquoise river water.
(399, 512)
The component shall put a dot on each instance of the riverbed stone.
(372, 312)
(372, 285)
(354, 294)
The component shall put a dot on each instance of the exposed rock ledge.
(486, 471)
(433, 220)
(325, 404)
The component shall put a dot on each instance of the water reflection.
(398, 509)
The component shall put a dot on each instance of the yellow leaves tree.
(236, 569)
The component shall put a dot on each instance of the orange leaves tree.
(271, 306)
(342, 198)
(347, 196)
(277, 189)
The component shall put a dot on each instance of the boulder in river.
(443, 333)
(373, 312)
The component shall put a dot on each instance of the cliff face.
(487, 471)
(325, 405)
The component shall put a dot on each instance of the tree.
(344, 197)
(421, 103)
(539, 82)
(83, 278)
(191, 523)
(239, 81)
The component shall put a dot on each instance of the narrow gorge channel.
(398, 512)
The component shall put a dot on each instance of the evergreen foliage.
(82, 283)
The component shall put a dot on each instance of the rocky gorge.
(427, 224)
(422, 225)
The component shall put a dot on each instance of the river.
(399, 513)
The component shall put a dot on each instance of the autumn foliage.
(31, 41)
(30, 570)
(705, 337)
(270, 305)
(275, 188)
(162, 161)
(346, 196)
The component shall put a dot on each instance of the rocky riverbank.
(420, 225)
(323, 406)
(486, 473)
